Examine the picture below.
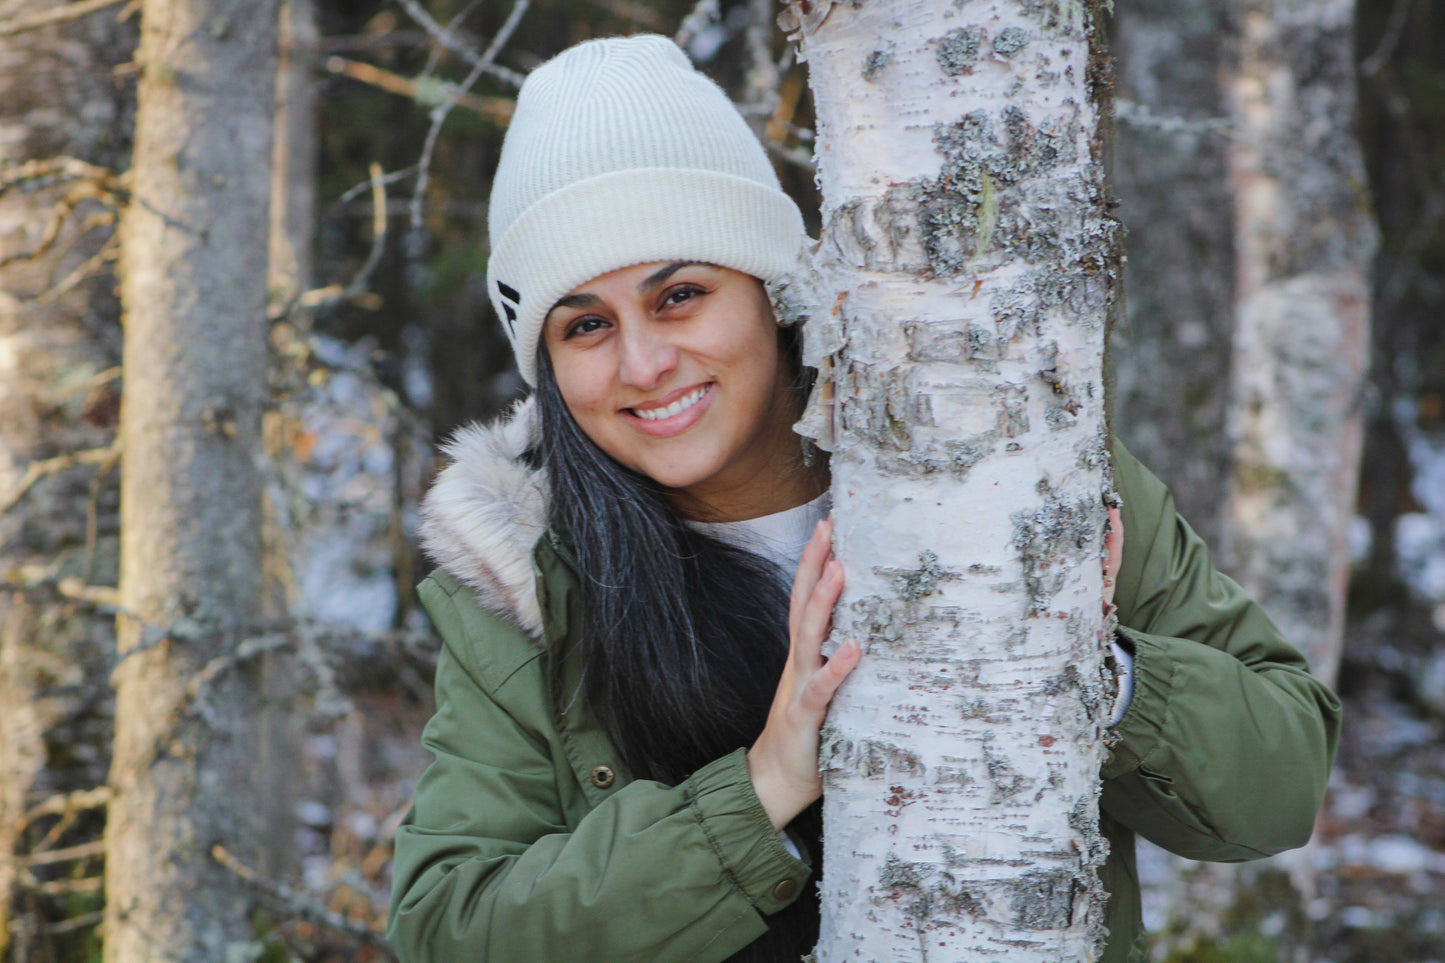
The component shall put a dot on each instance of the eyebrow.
(653, 280)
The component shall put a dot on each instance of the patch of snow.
(1403, 856)
(1421, 535)
(316, 873)
(1350, 803)
(1394, 854)
(1420, 541)
(1361, 918)
(339, 499)
(1360, 538)
(363, 825)
(312, 812)
(707, 43)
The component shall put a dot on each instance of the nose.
(647, 354)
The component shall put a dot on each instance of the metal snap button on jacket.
(786, 889)
(602, 777)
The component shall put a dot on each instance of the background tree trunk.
(1171, 356)
(290, 268)
(1305, 245)
(968, 269)
(60, 114)
(1250, 246)
(194, 288)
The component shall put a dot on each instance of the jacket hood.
(485, 512)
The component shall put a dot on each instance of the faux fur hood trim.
(485, 512)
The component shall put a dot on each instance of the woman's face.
(674, 369)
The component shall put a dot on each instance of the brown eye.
(682, 294)
(583, 325)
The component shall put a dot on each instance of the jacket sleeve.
(1225, 749)
(487, 868)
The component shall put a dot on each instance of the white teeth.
(677, 407)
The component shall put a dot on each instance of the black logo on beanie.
(511, 300)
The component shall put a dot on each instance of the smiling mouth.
(674, 409)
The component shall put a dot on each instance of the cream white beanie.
(620, 153)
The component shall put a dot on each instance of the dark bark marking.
(958, 50)
(1049, 540)
(875, 62)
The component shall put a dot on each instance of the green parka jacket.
(529, 842)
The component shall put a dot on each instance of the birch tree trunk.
(59, 333)
(194, 249)
(1305, 241)
(968, 268)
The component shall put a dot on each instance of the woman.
(628, 698)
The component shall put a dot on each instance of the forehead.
(630, 281)
(634, 276)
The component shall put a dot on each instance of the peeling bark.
(194, 289)
(966, 276)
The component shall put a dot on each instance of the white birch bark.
(1304, 245)
(967, 271)
(194, 243)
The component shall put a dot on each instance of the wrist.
(772, 791)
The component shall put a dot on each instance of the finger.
(824, 683)
(1114, 543)
(810, 569)
(817, 614)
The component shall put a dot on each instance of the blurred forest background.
(389, 119)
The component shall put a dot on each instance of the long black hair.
(683, 637)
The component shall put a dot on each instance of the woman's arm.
(488, 870)
(1226, 746)
(783, 762)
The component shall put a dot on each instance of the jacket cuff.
(1141, 729)
(752, 855)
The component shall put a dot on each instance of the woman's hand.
(1113, 555)
(783, 762)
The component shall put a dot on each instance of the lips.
(674, 417)
(676, 408)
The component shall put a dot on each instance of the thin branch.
(250, 648)
(496, 109)
(1140, 115)
(64, 887)
(61, 14)
(439, 115)
(69, 853)
(1389, 39)
(69, 168)
(297, 904)
(63, 803)
(76, 922)
(763, 77)
(354, 192)
(63, 209)
(378, 234)
(800, 157)
(453, 25)
(86, 270)
(37, 470)
(27, 578)
(704, 14)
(450, 41)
